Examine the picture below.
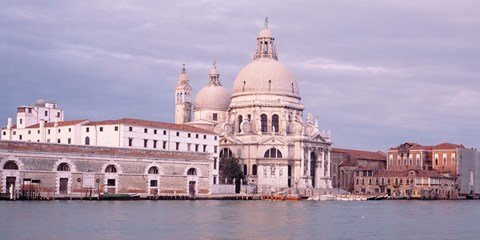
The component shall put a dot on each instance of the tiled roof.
(60, 124)
(99, 151)
(147, 123)
(360, 154)
(448, 146)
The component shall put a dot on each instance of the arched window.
(263, 120)
(192, 172)
(240, 120)
(63, 167)
(87, 141)
(273, 153)
(244, 169)
(111, 169)
(275, 124)
(153, 170)
(10, 165)
(226, 153)
(254, 169)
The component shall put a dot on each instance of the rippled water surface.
(240, 220)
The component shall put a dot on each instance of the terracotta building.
(346, 161)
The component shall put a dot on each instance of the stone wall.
(130, 174)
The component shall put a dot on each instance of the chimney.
(9, 123)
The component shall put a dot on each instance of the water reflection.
(239, 220)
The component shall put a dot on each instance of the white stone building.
(262, 122)
(122, 133)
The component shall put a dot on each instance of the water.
(240, 220)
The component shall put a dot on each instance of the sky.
(374, 73)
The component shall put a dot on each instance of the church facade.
(261, 122)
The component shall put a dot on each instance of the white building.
(122, 133)
(262, 122)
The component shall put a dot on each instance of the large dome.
(265, 76)
(212, 97)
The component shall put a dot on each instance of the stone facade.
(263, 124)
(77, 170)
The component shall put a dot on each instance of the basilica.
(261, 122)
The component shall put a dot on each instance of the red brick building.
(407, 156)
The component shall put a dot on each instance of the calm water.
(240, 220)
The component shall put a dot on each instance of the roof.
(365, 155)
(147, 123)
(415, 146)
(60, 124)
(447, 146)
(99, 151)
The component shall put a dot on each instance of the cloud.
(375, 73)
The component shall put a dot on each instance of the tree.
(230, 168)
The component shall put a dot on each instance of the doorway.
(191, 188)
(11, 184)
(63, 186)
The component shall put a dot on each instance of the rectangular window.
(111, 182)
(130, 129)
(164, 132)
(215, 138)
(29, 110)
(48, 131)
(58, 114)
(145, 143)
(164, 145)
(155, 131)
(20, 137)
(101, 129)
(214, 180)
(215, 117)
(69, 141)
(4, 133)
(145, 130)
(69, 129)
(59, 130)
(177, 146)
(38, 131)
(178, 134)
(153, 183)
(154, 143)
(58, 140)
(46, 113)
(196, 135)
(204, 148)
(204, 136)
(215, 149)
(21, 121)
(189, 134)
(130, 142)
(196, 147)
(214, 163)
(188, 147)
(29, 132)
(88, 129)
(116, 128)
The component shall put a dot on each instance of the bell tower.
(183, 99)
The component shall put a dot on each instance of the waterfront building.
(122, 133)
(441, 171)
(345, 162)
(262, 123)
(72, 170)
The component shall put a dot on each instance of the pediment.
(317, 138)
(229, 140)
(272, 141)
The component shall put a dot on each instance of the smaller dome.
(265, 33)
(212, 97)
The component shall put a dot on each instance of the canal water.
(209, 219)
